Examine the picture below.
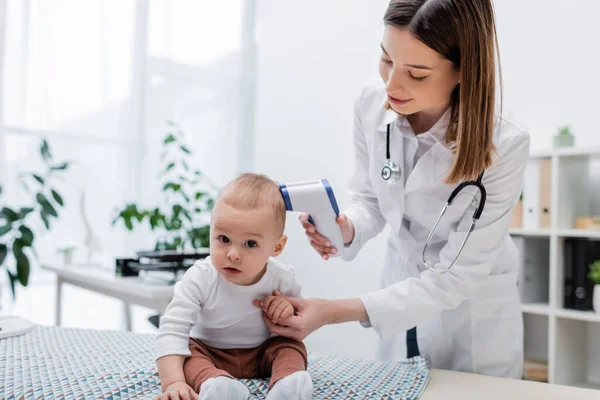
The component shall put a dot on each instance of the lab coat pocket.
(497, 327)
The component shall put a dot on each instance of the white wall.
(313, 60)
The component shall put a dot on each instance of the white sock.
(223, 387)
(297, 386)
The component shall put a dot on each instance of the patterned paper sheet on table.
(60, 363)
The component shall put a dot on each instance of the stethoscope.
(391, 171)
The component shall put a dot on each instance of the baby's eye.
(251, 243)
(223, 239)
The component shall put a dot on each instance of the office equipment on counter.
(166, 265)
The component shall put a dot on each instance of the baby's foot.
(223, 387)
(297, 386)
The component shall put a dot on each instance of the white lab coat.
(468, 319)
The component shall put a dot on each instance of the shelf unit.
(569, 340)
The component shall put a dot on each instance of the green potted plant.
(594, 276)
(188, 197)
(564, 137)
(17, 236)
(67, 253)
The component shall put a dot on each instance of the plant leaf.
(199, 195)
(57, 197)
(128, 223)
(185, 196)
(12, 279)
(170, 139)
(10, 215)
(170, 167)
(25, 210)
(210, 204)
(3, 252)
(185, 165)
(45, 150)
(46, 206)
(185, 149)
(38, 178)
(60, 167)
(22, 262)
(173, 186)
(44, 218)
(26, 235)
(4, 230)
(197, 172)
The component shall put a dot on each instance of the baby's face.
(241, 241)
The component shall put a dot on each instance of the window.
(99, 79)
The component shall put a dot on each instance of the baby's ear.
(279, 246)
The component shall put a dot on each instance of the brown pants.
(278, 357)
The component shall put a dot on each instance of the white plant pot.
(597, 298)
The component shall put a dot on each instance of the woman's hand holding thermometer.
(320, 243)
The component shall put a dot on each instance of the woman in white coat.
(437, 98)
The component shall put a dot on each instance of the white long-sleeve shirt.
(219, 313)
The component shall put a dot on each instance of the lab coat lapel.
(388, 117)
(393, 204)
(430, 169)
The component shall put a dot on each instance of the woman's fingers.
(303, 218)
(318, 238)
(323, 249)
(281, 330)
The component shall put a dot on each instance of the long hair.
(464, 32)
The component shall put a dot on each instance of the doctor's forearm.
(339, 311)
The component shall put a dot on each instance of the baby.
(211, 332)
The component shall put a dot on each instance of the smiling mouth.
(398, 101)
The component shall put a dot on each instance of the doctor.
(425, 128)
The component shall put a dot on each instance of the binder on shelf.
(545, 184)
(534, 269)
(568, 274)
(578, 289)
(531, 195)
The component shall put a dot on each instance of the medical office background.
(266, 86)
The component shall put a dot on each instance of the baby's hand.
(177, 391)
(277, 308)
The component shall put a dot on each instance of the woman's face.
(417, 78)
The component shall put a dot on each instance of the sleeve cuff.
(384, 324)
(351, 250)
(170, 350)
(369, 308)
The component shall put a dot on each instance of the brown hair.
(251, 191)
(464, 32)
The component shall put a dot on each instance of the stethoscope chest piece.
(391, 171)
